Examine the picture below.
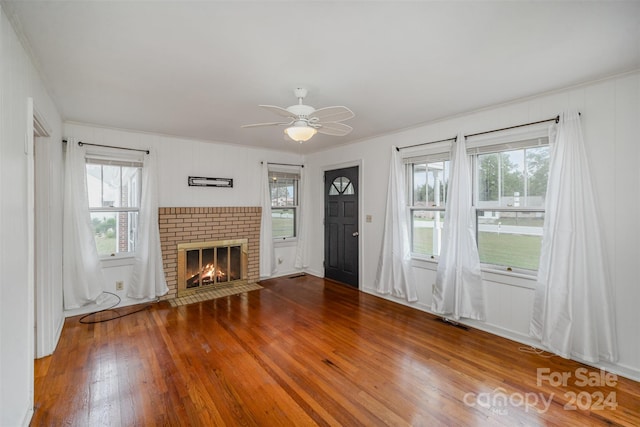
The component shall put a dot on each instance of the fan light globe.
(300, 133)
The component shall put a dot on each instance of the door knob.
(355, 234)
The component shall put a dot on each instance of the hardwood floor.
(304, 351)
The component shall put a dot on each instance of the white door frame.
(40, 298)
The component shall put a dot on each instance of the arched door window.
(341, 186)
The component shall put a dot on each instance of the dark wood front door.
(341, 239)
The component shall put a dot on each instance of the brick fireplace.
(192, 225)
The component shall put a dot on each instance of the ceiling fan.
(305, 121)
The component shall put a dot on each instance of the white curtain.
(83, 280)
(148, 279)
(573, 309)
(302, 252)
(393, 275)
(458, 290)
(267, 259)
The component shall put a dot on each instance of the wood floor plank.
(306, 351)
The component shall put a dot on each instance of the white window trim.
(294, 172)
(506, 136)
(106, 157)
(511, 278)
(118, 261)
(515, 276)
(499, 144)
(439, 151)
(284, 242)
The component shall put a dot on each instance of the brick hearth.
(189, 225)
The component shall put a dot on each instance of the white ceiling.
(199, 69)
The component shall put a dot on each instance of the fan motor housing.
(300, 92)
(301, 110)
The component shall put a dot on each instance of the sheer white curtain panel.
(267, 258)
(302, 252)
(458, 291)
(83, 280)
(394, 274)
(148, 279)
(573, 313)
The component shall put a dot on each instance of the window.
(113, 189)
(510, 185)
(428, 178)
(284, 203)
(509, 190)
(341, 186)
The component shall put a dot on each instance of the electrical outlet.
(119, 285)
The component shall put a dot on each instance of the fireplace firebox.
(207, 265)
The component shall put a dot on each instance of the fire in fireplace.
(206, 265)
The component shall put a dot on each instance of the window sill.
(117, 261)
(282, 243)
(426, 263)
(513, 278)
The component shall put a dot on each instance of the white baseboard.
(618, 369)
(26, 421)
(314, 272)
(296, 271)
(621, 370)
(287, 272)
(92, 308)
(58, 333)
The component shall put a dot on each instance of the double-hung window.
(510, 186)
(113, 190)
(509, 189)
(428, 180)
(284, 202)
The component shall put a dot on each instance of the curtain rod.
(282, 164)
(80, 143)
(553, 119)
(425, 143)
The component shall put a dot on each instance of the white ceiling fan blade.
(335, 129)
(278, 110)
(267, 124)
(333, 114)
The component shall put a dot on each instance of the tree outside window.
(510, 185)
(510, 191)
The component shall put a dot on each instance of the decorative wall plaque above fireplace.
(207, 265)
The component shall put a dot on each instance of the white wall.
(18, 82)
(180, 158)
(610, 117)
